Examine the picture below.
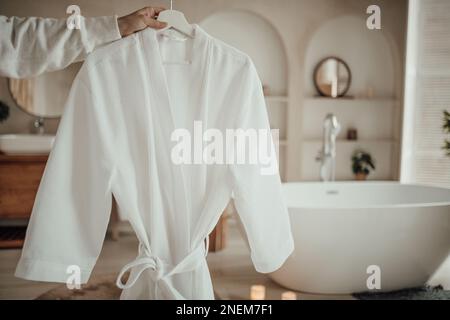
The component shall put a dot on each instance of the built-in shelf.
(351, 99)
(276, 98)
(359, 141)
(373, 118)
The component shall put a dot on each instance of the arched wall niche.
(377, 89)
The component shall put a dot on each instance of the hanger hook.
(171, 4)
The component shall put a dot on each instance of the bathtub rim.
(373, 206)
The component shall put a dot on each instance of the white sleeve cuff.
(275, 260)
(38, 270)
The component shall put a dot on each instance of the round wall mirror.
(44, 96)
(332, 77)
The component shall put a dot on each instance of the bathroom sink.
(26, 143)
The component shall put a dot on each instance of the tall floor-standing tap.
(327, 156)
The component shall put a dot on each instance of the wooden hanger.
(176, 20)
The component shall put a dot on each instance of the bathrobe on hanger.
(116, 138)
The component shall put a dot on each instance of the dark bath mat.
(421, 293)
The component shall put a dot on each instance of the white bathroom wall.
(294, 22)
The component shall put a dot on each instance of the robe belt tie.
(160, 272)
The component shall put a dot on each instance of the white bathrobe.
(115, 137)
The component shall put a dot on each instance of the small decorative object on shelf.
(446, 127)
(352, 134)
(362, 164)
(266, 90)
(257, 292)
(4, 111)
(370, 93)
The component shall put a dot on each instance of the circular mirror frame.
(25, 110)
(316, 70)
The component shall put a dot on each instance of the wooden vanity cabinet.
(20, 176)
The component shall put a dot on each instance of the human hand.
(139, 20)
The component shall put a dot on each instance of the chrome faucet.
(327, 156)
(38, 125)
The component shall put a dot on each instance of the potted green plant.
(362, 164)
(446, 127)
(4, 111)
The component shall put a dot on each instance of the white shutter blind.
(428, 84)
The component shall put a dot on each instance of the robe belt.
(160, 272)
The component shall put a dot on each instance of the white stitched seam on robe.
(115, 139)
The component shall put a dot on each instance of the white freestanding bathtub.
(340, 229)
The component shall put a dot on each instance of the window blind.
(428, 87)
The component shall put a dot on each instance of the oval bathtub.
(340, 229)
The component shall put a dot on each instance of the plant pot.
(361, 176)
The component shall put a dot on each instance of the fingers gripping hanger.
(176, 20)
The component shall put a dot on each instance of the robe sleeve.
(257, 195)
(31, 46)
(71, 210)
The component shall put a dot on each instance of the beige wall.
(295, 20)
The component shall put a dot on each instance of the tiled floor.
(231, 270)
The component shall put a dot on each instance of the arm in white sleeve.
(31, 46)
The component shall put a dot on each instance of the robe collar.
(200, 60)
